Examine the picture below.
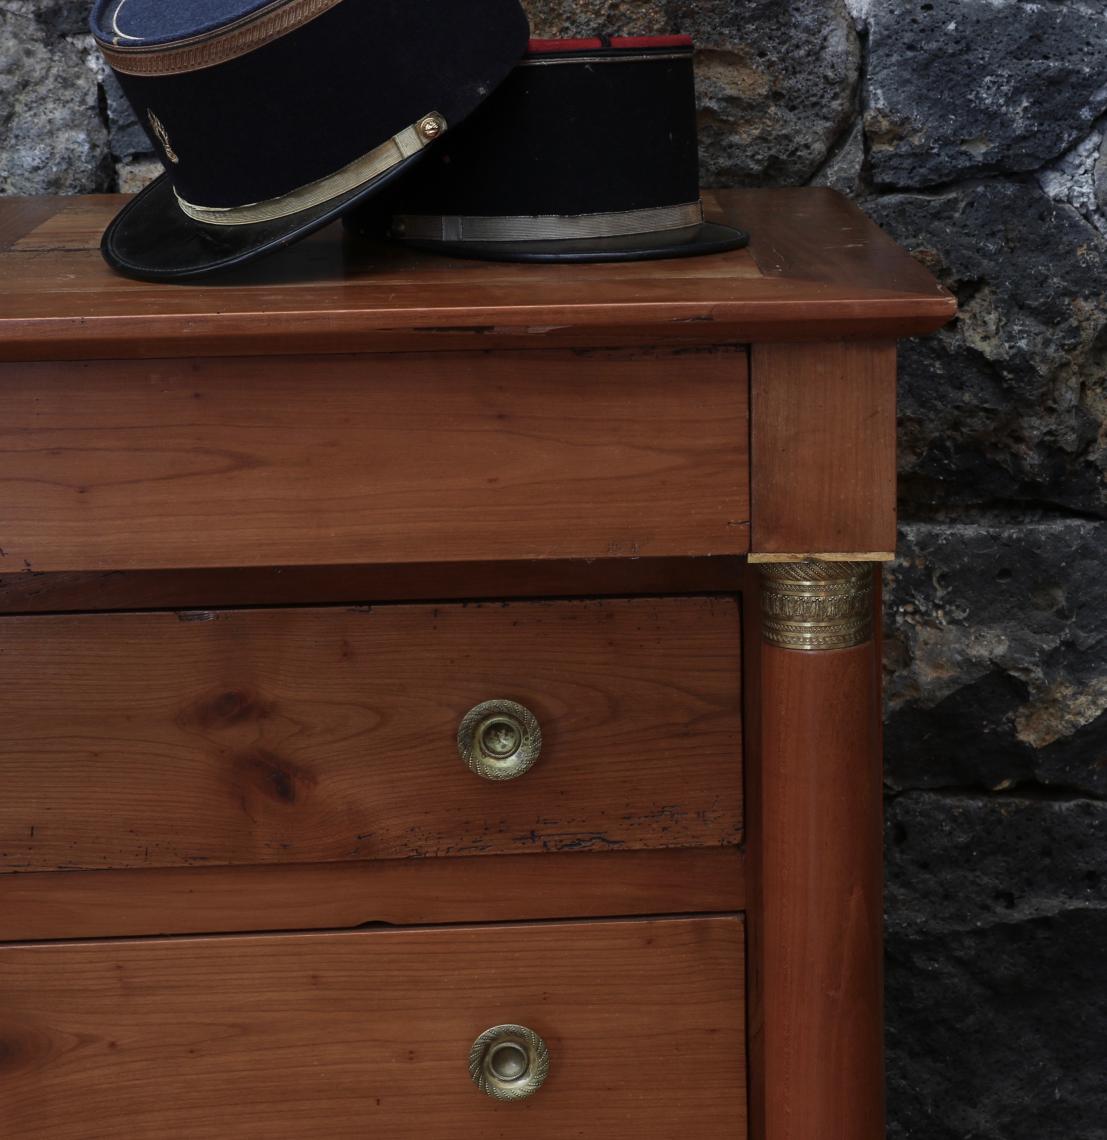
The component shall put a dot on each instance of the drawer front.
(347, 460)
(369, 1034)
(305, 735)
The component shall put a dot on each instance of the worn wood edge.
(752, 767)
(52, 905)
(824, 556)
(796, 285)
(210, 589)
(155, 338)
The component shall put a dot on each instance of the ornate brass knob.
(499, 740)
(509, 1062)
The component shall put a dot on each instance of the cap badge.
(162, 134)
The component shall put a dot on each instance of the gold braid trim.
(238, 39)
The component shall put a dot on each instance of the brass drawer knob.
(509, 1062)
(499, 740)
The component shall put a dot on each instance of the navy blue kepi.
(273, 117)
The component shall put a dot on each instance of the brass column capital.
(817, 605)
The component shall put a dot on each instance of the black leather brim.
(152, 239)
(710, 237)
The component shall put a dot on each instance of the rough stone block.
(52, 139)
(1072, 179)
(1009, 403)
(844, 168)
(583, 18)
(996, 647)
(997, 1013)
(998, 1033)
(58, 17)
(958, 88)
(1101, 175)
(968, 862)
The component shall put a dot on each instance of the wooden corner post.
(816, 1006)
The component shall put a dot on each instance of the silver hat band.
(380, 160)
(592, 59)
(547, 227)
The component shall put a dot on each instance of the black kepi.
(273, 117)
(587, 152)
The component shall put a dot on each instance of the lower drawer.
(324, 1037)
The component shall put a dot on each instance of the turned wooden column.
(816, 843)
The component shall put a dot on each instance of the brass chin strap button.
(499, 740)
(509, 1062)
(431, 126)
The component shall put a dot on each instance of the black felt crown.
(588, 151)
(273, 116)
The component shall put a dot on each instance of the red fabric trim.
(539, 47)
(618, 43)
(651, 41)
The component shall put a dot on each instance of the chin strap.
(380, 160)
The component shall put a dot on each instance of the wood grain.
(344, 1036)
(324, 896)
(337, 460)
(823, 449)
(290, 736)
(754, 820)
(20, 216)
(816, 908)
(817, 269)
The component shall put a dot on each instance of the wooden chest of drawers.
(441, 700)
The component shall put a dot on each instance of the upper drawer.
(299, 461)
(304, 735)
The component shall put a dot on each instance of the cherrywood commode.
(395, 649)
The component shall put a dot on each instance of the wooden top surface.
(817, 268)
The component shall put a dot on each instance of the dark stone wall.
(975, 131)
